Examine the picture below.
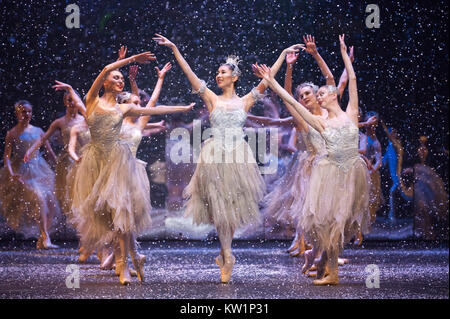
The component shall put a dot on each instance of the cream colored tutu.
(337, 200)
(108, 192)
(226, 186)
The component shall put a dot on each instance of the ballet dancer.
(219, 193)
(329, 224)
(27, 188)
(108, 201)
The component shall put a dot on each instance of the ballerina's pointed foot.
(139, 262)
(124, 272)
(219, 261)
(293, 246)
(227, 269)
(327, 280)
(295, 252)
(359, 240)
(309, 261)
(108, 262)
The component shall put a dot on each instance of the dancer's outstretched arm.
(343, 80)
(352, 106)
(133, 110)
(73, 95)
(310, 43)
(264, 72)
(143, 120)
(267, 121)
(298, 120)
(72, 144)
(249, 99)
(208, 96)
(56, 125)
(132, 73)
(92, 95)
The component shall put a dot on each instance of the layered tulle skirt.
(110, 194)
(22, 204)
(63, 166)
(336, 204)
(226, 187)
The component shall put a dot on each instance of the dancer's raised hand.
(122, 53)
(295, 48)
(262, 71)
(164, 70)
(291, 58)
(188, 107)
(161, 40)
(342, 42)
(351, 54)
(144, 58)
(132, 73)
(310, 43)
(61, 86)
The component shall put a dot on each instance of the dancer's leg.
(332, 262)
(137, 259)
(226, 259)
(122, 261)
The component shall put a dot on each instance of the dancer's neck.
(110, 98)
(334, 110)
(228, 93)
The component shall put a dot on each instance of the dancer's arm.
(72, 144)
(56, 125)
(208, 96)
(92, 95)
(132, 73)
(267, 121)
(343, 80)
(143, 120)
(249, 99)
(50, 151)
(378, 156)
(371, 121)
(310, 43)
(122, 53)
(362, 144)
(298, 120)
(352, 107)
(73, 95)
(315, 121)
(158, 125)
(133, 110)
(292, 143)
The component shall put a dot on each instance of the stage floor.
(186, 269)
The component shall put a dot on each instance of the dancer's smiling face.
(325, 97)
(224, 77)
(114, 82)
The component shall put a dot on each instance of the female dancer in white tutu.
(108, 200)
(225, 194)
(132, 132)
(27, 188)
(336, 202)
(63, 125)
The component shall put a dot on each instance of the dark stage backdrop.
(402, 66)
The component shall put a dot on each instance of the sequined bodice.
(132, 135)
(342, 143)
(227, 121)
(105, 127)
(24, 142)
(315, 142)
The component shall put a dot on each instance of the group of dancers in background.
(329, 193)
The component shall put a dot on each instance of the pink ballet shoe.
(327, 280)
(124, 272)
(227, 269)
(108, 262)
(309, 261)
(138, 263)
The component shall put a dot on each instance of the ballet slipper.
(295, 252)
(294, 246)
(313, 268)
(124, 271)
(219, 261)
(84, 256)
(359, 239)
(108, 262)
(309, 261)
(227, 269)
(138, 263)
(342, 261)
(39, 244)
(46, 242)
(329, 279)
